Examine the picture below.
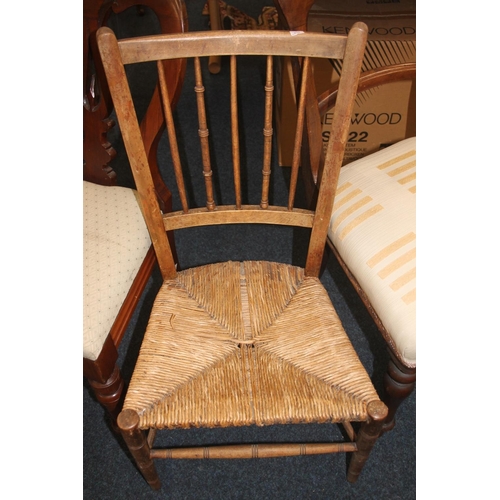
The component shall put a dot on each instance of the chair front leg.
(367, 435)
(135, 438)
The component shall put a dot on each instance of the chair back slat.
(203, 133)
(299, 130)
(172, 136)
(235, 137)
(268, 133)
(261, 209)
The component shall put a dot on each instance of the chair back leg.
(399, 382)
(128, 422)
(109, 394)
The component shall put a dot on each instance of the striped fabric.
(373, 227)
(115, 242)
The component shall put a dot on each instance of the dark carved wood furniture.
(253, 342)
(293, 14)
(118, 261)
(97, 105)
(401, 373)
(99, 366)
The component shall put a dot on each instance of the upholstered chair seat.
(373, 229)
(116, 241)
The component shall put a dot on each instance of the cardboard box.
(382, 115)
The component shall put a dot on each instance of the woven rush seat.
(250, 341)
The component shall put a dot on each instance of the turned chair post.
(105, 378)
(399, 382)
(128, 422)
(109, 393)
(367, 436)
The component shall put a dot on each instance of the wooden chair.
(400, 376)
(251, 343)
(386, 286)
(118, 256)
(373, 235)
(118, 261)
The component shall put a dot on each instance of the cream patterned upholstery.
(373, 227)
(116, 241)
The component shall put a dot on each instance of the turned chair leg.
(399, 382)
(109, 393)
(367, 435)
(135, 438)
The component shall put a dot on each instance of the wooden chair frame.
(103, 374)
(115, 55)
(400, 376)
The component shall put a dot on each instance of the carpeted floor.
(108, 472)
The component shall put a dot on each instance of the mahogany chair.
(118, 256)
(252, 343)
(373, 236)
(118, 261)
(394, 317)
(98, 152)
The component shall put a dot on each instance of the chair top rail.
(185, 45)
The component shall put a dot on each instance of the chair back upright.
(116, 55)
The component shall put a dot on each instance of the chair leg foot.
(399, 382)
(368, 434)
(135, 438)
(109, 393)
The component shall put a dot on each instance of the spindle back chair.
(242, 343)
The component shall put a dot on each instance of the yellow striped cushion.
(373, 228)
(115, 242)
